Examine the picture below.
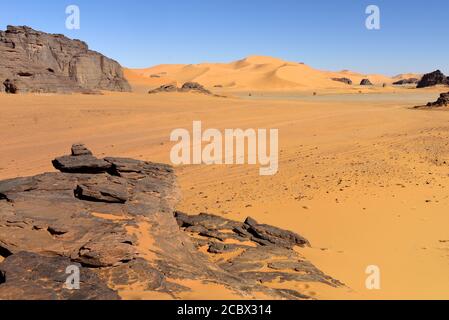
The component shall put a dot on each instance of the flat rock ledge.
(114, 219)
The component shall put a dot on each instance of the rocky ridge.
(114, 219)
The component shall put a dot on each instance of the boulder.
(275, 236)
(433, 79)
(443, 101)
(81, 164)
(80, 149)
(10, 86)
(366, 82)
(103, 188)
(35, 61)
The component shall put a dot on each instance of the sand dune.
(254, 73)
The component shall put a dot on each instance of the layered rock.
(433, 79)
(34, 61)
(113, 219)
(344, 80)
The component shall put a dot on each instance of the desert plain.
(362, 174)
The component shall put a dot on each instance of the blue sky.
(326, 34)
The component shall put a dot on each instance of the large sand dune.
(254, 73)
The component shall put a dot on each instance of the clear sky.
(326, 34)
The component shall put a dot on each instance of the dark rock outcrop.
(261, 247)
(406, 81)
(35, 61)
(113, 218)
(366, 82)
(186, 87)
(10, 86)
(433, 79)
(344, 80)
(164, 88)
(443, 101)
(194, 87)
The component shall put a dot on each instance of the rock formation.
(433, 79)
(344, 80)
(366, 82)
(443, 101)
(34, 61)
(194, 87)
(186, 87)
(164, 88)
(406, 81)
(114, 219)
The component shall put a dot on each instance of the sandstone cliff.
(34, 61)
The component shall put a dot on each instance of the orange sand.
(254, 73)
(361, 176)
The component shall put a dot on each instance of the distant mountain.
(34, 61)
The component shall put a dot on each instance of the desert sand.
(363, 176)
(255, 73)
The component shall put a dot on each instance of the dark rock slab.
(275, 235)
(114, 217)
(109, 250)
(255, 248)
(30, 276)
(81, 164)
(80, 149)
(103, 188)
